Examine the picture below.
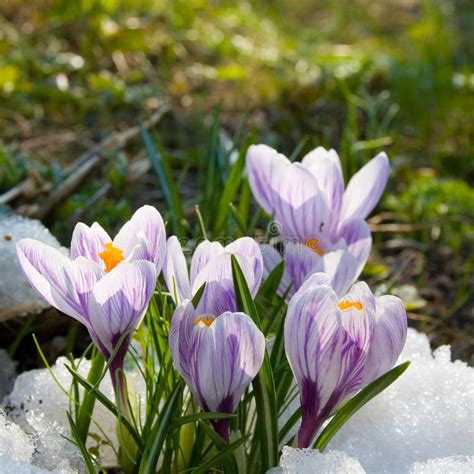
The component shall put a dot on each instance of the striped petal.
(247, 247)
(326, 362)
(175, 271)
(86, 274)
(262, 163)
(225, 357)
(182, 325)
(357, 309)
(201, 256)
(118, 301)
(341, 267)
(356, 234)
(51, 275)
(325, 166)
(389, 337)
(219, 293)
(89, 242)
(365, 188)
(299, 264)
(146, 225)
(300, 207)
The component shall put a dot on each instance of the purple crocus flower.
(308, 202)
(211, 264)
(105, 285)
(337, 345)
(218, 355)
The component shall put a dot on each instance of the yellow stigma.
(350, 304)
(111, 256)
(313, 244)
(207, 321)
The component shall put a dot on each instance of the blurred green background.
(358, 76)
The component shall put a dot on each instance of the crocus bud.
(217, 355)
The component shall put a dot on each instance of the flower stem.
(307, 432)
(127, 446)
(222, 429)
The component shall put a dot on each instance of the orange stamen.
(350, 304)
(111, 256)
(206, 321)
(313, 244)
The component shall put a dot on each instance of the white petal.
(365, 188)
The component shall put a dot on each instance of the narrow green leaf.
(288, 426)
(165, 179)
(158, 434)
(230, 190)
(263, 384)
(238, 219)
(107, 403)
(356, 403)
(220, 457)
(197, 297)
(270, 286)
(81, 445)
(200, 416)
(88, 401)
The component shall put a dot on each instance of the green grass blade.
(157, 437)
(356, 403)
(270, 286)
(201, 416)
(107, 403)
(81, 445)
(226, 453)
(230, 190)
(167, 184)
(197, 297)
(263, 384)
(88, 402)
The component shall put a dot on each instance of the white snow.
(423, 423)
(38, 406)
(308, 461)
(16, 295)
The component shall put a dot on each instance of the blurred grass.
(359, 76)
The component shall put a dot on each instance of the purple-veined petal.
(300, 207)
(311, 324)
(262, 162)
(175, 271)
(315, 279)
(357, 309)
(341, 267)
(203, 253)
(182, 325)
(86, 274)
(146, 223)
(389, 337)
(299, 264)
(50, 274)
(365, 188)
(219, 293)
(89, 242)
(225, 357)
(356, 234)
(118, 301)
(325, 166)
(248, 248)
(326, 362)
